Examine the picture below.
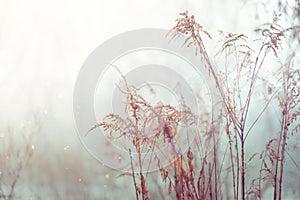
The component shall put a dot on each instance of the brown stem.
(133, 176)
(215, 168)
(282, 156)
(238, 166)
(232, 160)
(243, 169)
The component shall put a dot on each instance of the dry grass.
(14, 157)
(224, 172)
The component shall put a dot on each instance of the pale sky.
(44, 43)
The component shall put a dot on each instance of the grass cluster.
(227, 170)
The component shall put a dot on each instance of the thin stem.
(215, 168)
(232, 160)
(293, 160)
(243, 169)
(252, 84)
(260, 114)
(133, 176)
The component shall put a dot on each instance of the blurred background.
(42, 47)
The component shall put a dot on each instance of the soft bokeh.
(42, 47)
